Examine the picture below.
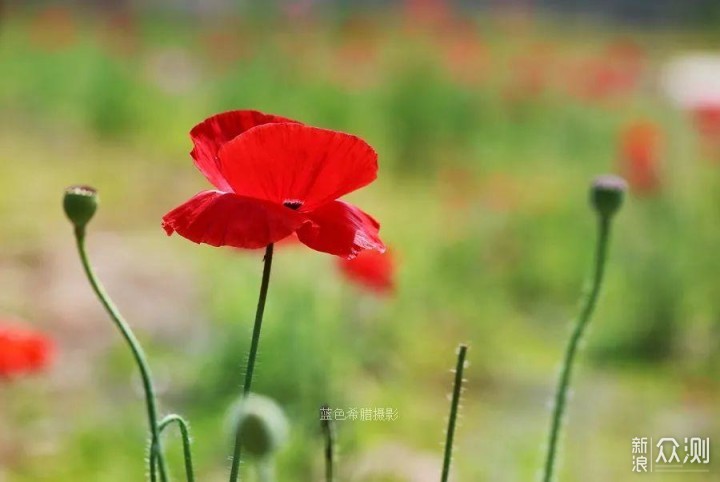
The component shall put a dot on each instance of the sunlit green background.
(489, 126)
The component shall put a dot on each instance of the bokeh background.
(490, 122)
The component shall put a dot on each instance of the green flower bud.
(607, 193)
(261, 425)
(80, 204)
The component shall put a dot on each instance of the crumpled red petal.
(341, 229)
(226, 219)
(212, 133)
(297, 164)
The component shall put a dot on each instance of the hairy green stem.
(454, 406)
(185, 433)
(588, 306)
(264, 284)
(329, 436)
(138, 355)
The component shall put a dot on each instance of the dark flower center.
(293, 204)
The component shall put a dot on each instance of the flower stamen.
(293, 204)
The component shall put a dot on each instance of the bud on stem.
(606, 197)
(80, 204)
(607, 193)
(261, 425)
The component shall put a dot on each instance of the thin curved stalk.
(185, 433)
(264, 285)
(138, 355)
(588, 306)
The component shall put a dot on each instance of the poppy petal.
(225, 219)
(212, 133)
(372, 270)
(297, 164)
(341, 229)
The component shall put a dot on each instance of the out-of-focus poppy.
(274, 177)
(530, 74)
(464, 54)
(23, 351)
(120, 32)
(614, 73)
(53, 29)
(427, 14)
(356, 58)
(693, 83)
(226, 46)
(640, 148)
(706, 118)
(372, 270)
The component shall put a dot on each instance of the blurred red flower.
(640, 153)
(530, 73)
(274, 177)
(23, 351)
(706, 118)
(53, 28)
(355, 60)
(427, 14)
(464, 54)
(371, 269)
(616, 72)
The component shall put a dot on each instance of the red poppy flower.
(424, 14)
(640, 145)
(372, 270)
(707, 120)
(274, 177)
(54, 28)
(23, 351)
(614, 73)
(530, 74)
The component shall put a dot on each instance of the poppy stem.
(454, 406)
(264, 284)
(185, 433)
(138, 354)
(329, 435)
(588, 306)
